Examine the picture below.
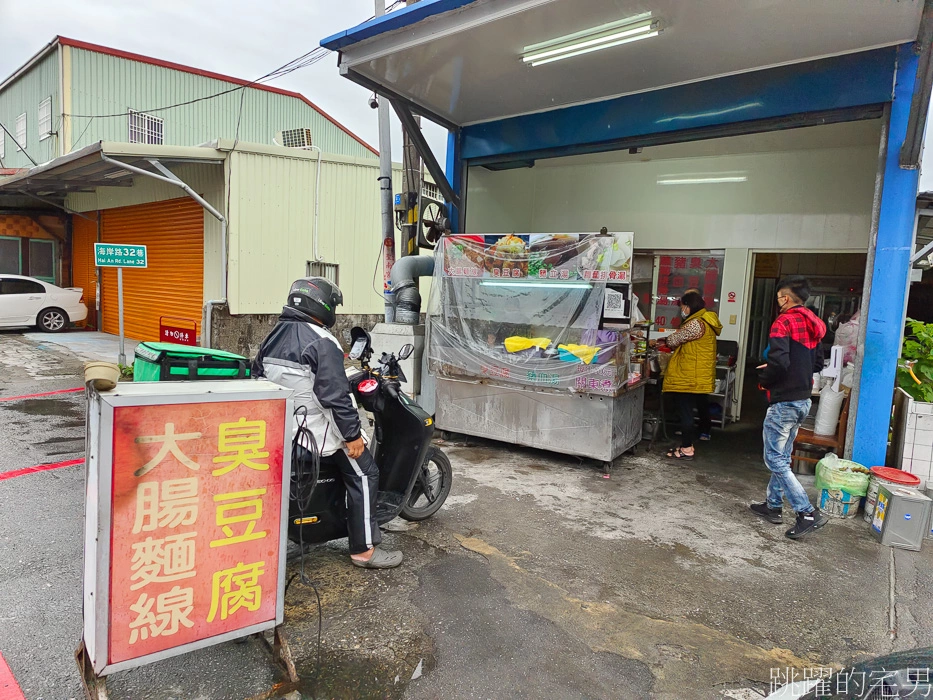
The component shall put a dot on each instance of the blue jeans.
(780, 430)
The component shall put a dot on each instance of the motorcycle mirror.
(406, 351)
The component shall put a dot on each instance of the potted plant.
(913, 402)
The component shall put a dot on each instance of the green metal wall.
(24, 95)
(103, 84)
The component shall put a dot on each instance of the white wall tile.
(923, 437)
(911, 421)
(923, 452)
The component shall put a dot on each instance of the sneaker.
(772, 515)
(807, 523)
(705, 437)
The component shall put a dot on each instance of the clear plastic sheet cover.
(502, 307)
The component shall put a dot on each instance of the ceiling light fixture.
(702, 179)
(602, 37)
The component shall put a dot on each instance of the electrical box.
(902, 517)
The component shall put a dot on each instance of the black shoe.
(772, 515)
(807, 523)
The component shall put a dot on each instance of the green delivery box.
(167, 362)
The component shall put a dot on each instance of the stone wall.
(244, 333)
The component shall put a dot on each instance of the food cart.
(529, 342)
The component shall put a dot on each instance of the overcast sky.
(245, 39)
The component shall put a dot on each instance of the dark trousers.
(361, 478)
(685, 404)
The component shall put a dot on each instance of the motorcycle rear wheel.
(420, 506)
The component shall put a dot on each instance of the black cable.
(303, 61)
(301, 493)
(23, 149)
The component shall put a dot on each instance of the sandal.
(677, 453)
(381, 559)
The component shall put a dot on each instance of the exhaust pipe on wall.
(403, 277)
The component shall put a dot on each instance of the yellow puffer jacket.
(692, 369)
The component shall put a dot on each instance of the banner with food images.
(552, 256)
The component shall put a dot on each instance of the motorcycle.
(414, 476)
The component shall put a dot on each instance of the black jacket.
(305, 357)
(795, 352)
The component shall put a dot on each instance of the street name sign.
(117, 255)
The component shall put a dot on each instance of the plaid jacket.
(795, 352)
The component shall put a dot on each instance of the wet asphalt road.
(537, 579)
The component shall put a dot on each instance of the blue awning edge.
(392, 21)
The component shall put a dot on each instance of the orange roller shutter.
(173, 284)
(83, 272)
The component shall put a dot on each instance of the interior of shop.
(727, 216)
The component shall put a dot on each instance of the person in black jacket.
(794, 354)
(301, 354)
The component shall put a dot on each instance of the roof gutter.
(920, 102)
(42, 53)
(170, 178)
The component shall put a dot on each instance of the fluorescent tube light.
(548, 285)
(699, 179)
(602, 37)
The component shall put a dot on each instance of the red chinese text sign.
(197, 493)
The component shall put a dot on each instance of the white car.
(26, 301)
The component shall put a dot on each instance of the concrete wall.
(243, 334)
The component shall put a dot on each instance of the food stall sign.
(186, 508)
(558, 257)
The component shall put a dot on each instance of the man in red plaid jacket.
(795, 352)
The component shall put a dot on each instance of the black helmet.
(316, 297)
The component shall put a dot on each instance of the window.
(45, 118)
(10, 256)
(12, 286)
(42, 260)
(145, 128)
(329, 271)
(21, 131)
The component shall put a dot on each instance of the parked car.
(26, 301)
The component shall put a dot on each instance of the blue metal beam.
(885, 317)
(394, 20)
(828, 84)
(454, 172)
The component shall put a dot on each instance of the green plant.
(126, 371)
(915, 368)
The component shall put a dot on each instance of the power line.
(22, 148)
(303, 61)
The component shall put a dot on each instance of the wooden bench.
(807, 441)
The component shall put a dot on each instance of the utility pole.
(411, 189)
(385, 190)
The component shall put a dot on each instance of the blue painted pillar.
(454, 172)
(885, 317)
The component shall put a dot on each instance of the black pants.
(685, 404)
(361, 477)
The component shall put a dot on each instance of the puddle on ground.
(344, 677)
(47, 407)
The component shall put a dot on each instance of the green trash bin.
(168, 362)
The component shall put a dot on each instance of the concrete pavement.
(537, 579)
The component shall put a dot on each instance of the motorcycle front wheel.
(431, 487)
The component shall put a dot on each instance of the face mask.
(684, 316)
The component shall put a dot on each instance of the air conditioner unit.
(293, 138)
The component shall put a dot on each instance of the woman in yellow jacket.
(691, 374)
